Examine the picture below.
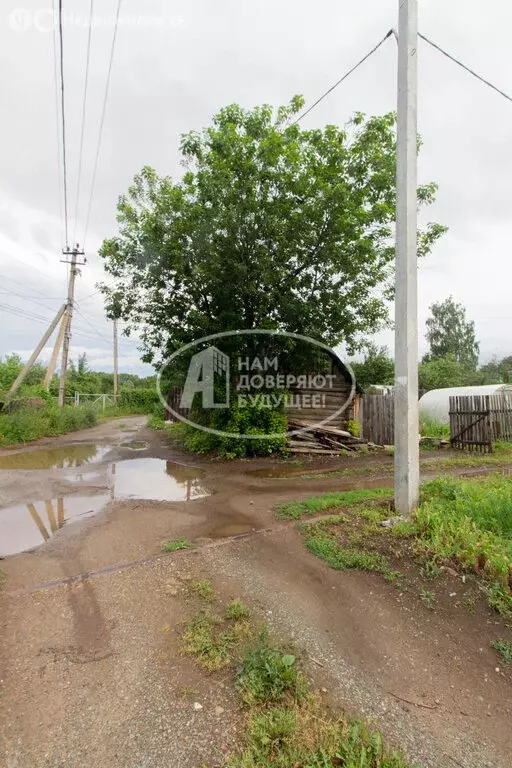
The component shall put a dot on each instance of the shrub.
(140, 400)
(247, 420)
(27, 424)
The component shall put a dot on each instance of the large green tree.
(450, 333)
(377, 367)
(271, 226)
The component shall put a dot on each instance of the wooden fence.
(470, 423)
(477, 421)
(500, 406)
(173, 401)
(377, 418)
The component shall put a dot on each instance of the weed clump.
(176, 544)
(237, 610)
(269, 675)
(204, 589)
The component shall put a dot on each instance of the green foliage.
(176, 544)
(271, 226)
(470, 522)
(442, 372)
(354, 427)
(139, 400)
(428, 597)
(294, 510)
(287, 725)
(203, 588)
(377, 367)
(504, 648)
(269, 675)
(204, 639)
(327, 549)
(430, 428)
(449, 333)
(237, 610)
(156, 422)
(246, 420)
(25, 424)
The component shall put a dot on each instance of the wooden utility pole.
(74, 254)
(35, 354)
(115, 361)
(58, 343)
(406, 294)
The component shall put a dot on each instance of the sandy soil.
(91, 668)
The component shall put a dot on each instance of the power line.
(101, 336)
(24, 296)
(347, 74)
(89, 296)
(82, 132)
(31, 267)
(56, 92)
(63, 126)
(471, 72)
(28, 287)
(105, 98)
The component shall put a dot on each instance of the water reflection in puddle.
(26, 526)
(55, 458)
(155, 479)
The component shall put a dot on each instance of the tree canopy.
(271, 226)
(377, 367)
(449, 333)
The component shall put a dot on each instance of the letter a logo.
(208, 373)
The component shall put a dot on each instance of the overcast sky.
(177, 63)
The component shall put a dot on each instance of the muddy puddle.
(26, 526)
(291, 471)
(62, 457)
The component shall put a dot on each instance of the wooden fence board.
(378, 418)
(471, 423)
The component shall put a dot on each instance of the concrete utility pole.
(115, 361)
(58, 343)
(406, 294)
(35, 354)
(74, 253)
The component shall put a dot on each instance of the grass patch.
(429, 428)
(204, 639)
(294, 510)
(176, 544)
(204, 589)
(466, 523)
(428, 597)
(26, 424)
(237, 610)
(504, 648)
(287, 725)
(304, 735)
(348, 558)
(269, 675)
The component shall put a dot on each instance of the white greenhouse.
(435, 405)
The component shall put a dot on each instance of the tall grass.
(26, 424)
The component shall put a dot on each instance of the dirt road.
(91, 667)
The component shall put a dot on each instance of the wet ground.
(85, 467)
(90, 617)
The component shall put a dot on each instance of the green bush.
(26, 424)
(247, 420)
(139, 400)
